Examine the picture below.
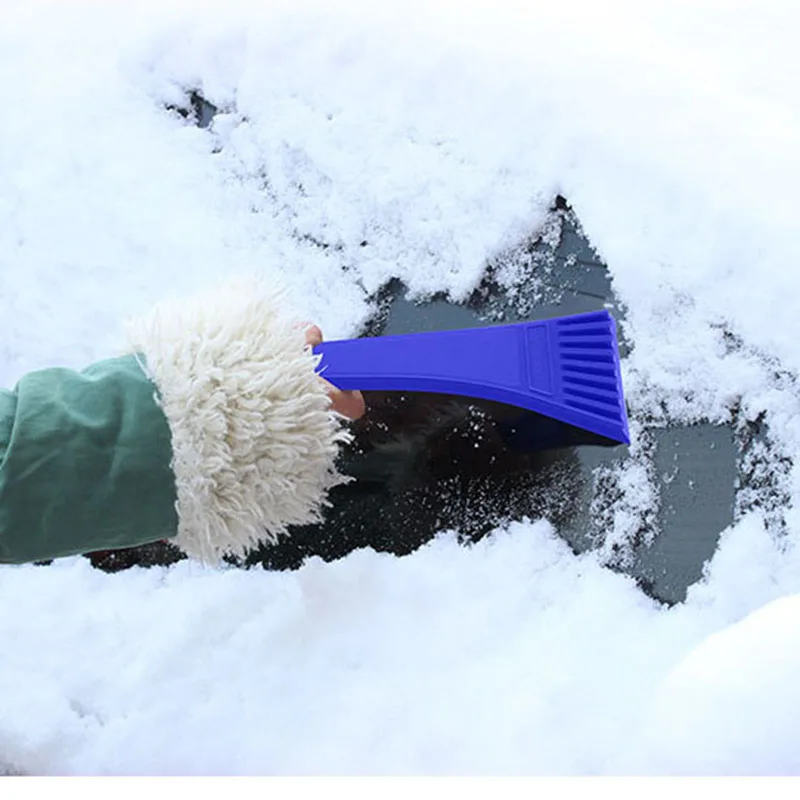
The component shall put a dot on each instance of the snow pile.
(412, 140)
(732, 699)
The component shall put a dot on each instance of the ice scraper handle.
(566, 368)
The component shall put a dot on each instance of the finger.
(313, 336)
(348, 404)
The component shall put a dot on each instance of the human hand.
(348, 404)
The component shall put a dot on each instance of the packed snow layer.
(360, 142)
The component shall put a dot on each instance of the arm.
(215, 433)
(84, 463)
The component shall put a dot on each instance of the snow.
(734, 696)
(417, 140)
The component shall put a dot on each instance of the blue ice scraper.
(566, 370)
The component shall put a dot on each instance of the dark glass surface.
(426, 463)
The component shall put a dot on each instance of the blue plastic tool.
(565, 368)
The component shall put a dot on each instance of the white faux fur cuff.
(254, 440)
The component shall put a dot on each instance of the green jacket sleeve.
(84, 463)
(216, 433)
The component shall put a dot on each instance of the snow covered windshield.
(626, 610)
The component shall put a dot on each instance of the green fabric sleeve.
(84, 463)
